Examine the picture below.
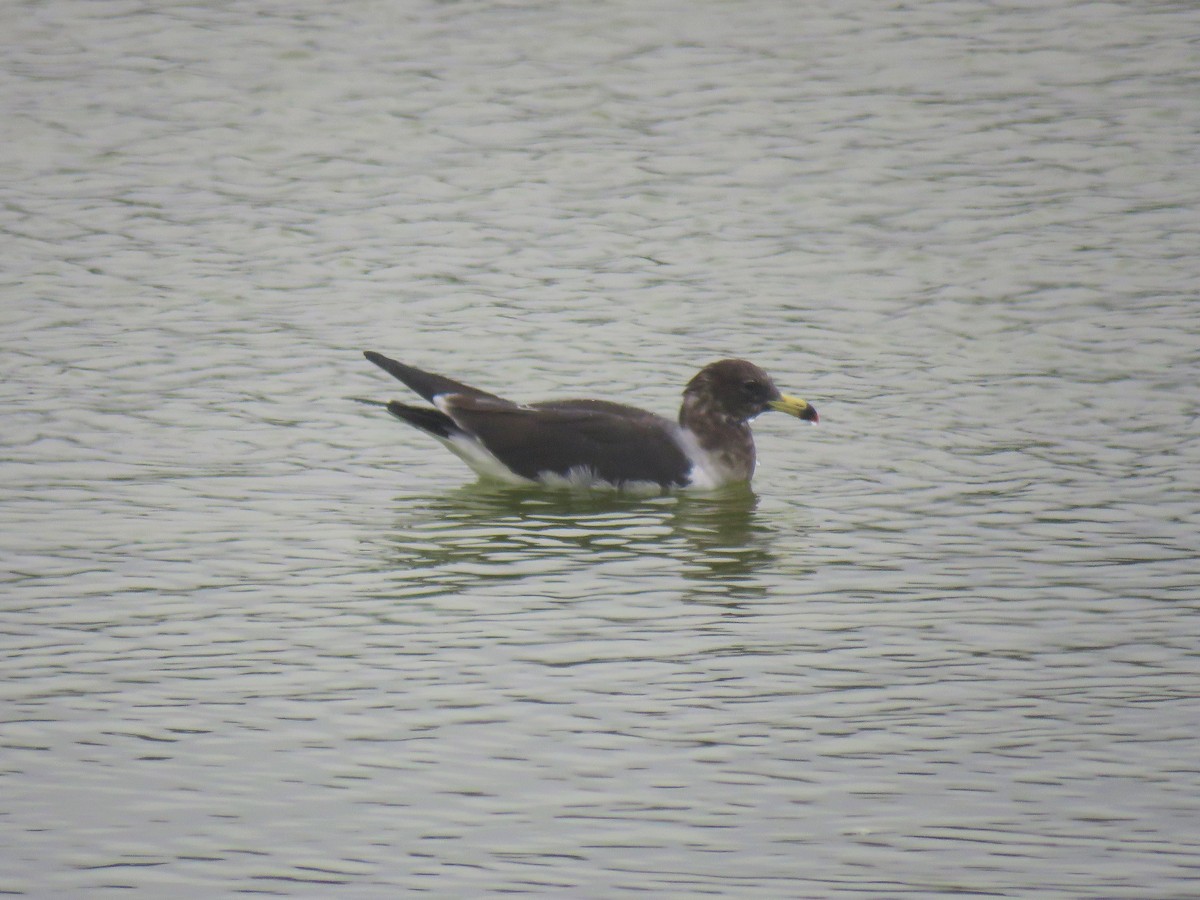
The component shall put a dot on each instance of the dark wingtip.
(393, 368)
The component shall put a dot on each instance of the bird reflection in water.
(715, 544)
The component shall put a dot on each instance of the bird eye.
(751, 386)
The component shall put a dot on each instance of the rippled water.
(260, 639)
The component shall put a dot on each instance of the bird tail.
(428, 420)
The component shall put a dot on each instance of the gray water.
(260, 639)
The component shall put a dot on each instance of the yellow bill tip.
(794, 406)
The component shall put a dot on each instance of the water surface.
(260, 639)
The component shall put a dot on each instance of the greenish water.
(257, 638)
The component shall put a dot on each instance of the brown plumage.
(596, 441)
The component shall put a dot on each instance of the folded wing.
(617, 443)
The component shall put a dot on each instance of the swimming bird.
(598, 442)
